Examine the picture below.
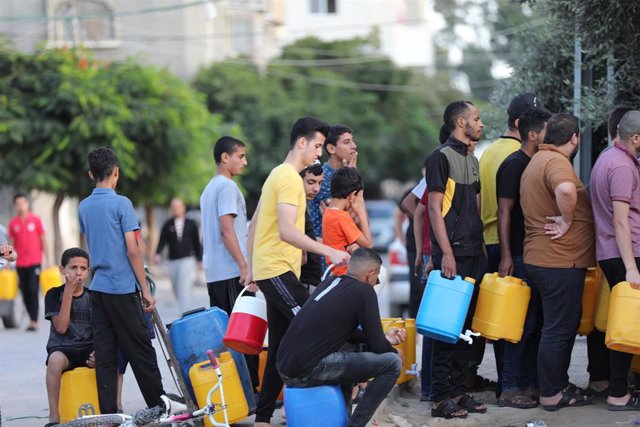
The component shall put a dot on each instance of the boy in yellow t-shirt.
(339, 230)
(275, 244)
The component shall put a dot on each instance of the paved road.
(23, 399)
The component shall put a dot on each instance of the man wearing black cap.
(490, 161)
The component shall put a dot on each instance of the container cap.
(470, 280)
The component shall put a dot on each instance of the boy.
(70, 342)
(339, 230)
(224, 225)
(276, 241)
(311, 272)
(119, 288)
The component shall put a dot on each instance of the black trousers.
(619, 362)
(28, 278)
(285, 295)
(223, 294)
(449, 362)
(117, 320)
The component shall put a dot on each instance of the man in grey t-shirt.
(224, 226)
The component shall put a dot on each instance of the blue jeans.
(519, 369)
(560, 291)
(346, 369)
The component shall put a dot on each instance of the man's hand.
(148, 301)
(6, 251)
(352, 162)
(506, 266)
(448, 267)
(339, 257)
(418, 264)
(324, 205)
(557, 228)
(428, 268)
(91, 361)
(352, 247)
(633, 277)
(396, 335)
(248, 281)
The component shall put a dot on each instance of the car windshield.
(379, 213)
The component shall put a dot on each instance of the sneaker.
(172, 407)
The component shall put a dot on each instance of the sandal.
(595, 393)
(448, 409)
(468, 402)
(633, 404)
(518, 401)
(568, 394)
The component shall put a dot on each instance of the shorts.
(77, 357)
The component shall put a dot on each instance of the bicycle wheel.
(95, 420)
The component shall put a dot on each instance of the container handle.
(327, 271)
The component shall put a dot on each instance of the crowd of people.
(520, 211)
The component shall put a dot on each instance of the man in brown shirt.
(558, 247)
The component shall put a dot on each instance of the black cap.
(521, 104)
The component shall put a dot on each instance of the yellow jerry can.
(602, 306)
(398, 323)
(8, 284)
(623, 326)
(50, 278)
(589, 300)
(410, 356)
(78, 394)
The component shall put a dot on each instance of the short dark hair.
(532, 120)
(451, 114)
(335, 132)
(19, 196)
(315, 169)
(225, 144)
(365, 256)
(102, 162)
(560, 129)
(306, 127)
(345, 181)
(73, 253)
(629, 124)
(614, 120)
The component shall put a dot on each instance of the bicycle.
(156, 415)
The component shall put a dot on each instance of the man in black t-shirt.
(311, 273)
(343, 310)
(519, 373)
(70, 342)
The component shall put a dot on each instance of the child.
(70, 342)
(119, 288)
(339, 230)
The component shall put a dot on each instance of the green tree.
(57, 105)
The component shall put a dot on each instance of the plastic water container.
(623, 326)
(589, 300)
(321, 406)
(444, 307)
(398, 323)
(78, 394)
(410, 355)
(198, 331)
(8, 284)
(602, 306)
(502, 308)
(204, 377)
(262, 363)
(50, 278)
(247, 325)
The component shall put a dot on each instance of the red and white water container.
(247, 325)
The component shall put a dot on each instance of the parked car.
(399, 287)
(381, 223)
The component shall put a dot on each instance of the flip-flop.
(519, 401)
(570, 393)
(469, 403)
(633, 404)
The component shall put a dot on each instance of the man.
(311, 272)
(597, 351)
(343, 310)
(224, 225)
(615, 180)
(182, 237)
(26, 235)
(276, 241)
(457, 246)
(558, 249)
(518, 376)
(342, 150)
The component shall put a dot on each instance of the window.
(87, 22)
(324, 6)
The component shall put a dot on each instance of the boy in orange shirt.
(339, 230)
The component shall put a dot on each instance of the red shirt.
(426, 242)
(26, 234)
